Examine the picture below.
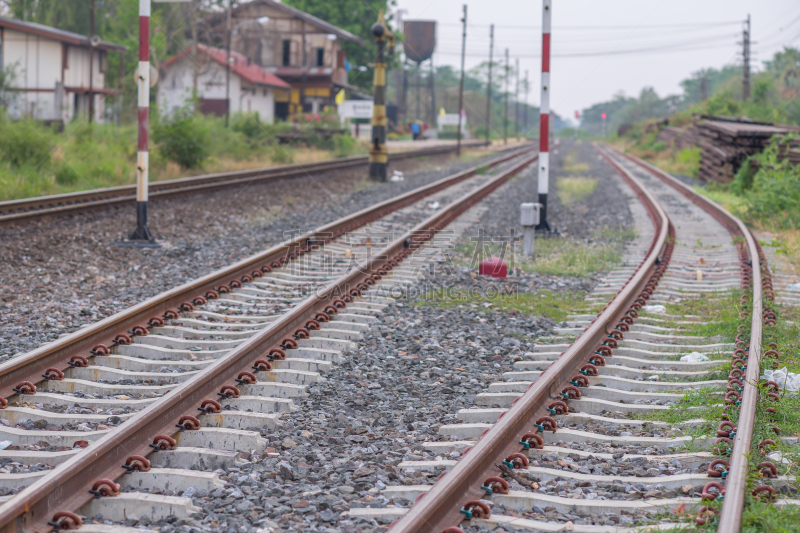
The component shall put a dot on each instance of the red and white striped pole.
(544, 118)
(142, 233)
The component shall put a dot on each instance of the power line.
(663, 47)
(605, 28)
(596, 54)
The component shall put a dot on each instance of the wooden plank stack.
(726, 142)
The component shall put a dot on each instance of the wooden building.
(51, 73)
(299, 48)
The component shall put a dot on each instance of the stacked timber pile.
(790, 149)
(669, 135)
(727, 142)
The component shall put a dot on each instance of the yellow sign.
(339, 97)
(441, 111)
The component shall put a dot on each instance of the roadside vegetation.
(37, 160)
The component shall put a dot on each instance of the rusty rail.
(441, 506)
(32, 365)
(736, 480)
(26, 208)
(67, 487)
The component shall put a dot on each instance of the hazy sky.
(671, 39)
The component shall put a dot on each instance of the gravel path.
(601, 209)
(58, 274)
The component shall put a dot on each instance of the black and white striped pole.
(378, 154)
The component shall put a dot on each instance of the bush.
(66, 175)
(282, 153)
(771, 189)
(343, 145)
(249, 124)
(183, 138)
(25, 142)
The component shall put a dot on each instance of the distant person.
(415, 130)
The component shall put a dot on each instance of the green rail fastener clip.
(467, 512)
(487, 489)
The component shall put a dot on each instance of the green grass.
(572, 165)
(554, 305)
(724, 309)
(572, 190)
(36, 160)
(558, 256)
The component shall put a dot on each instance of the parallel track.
(28, 208)
(664, 272)
(250, 336)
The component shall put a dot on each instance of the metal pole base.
(141, 236)
(377, 171)
(543, 225)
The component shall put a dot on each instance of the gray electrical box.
(529, 214)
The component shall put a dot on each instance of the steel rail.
(441, 506)
(736, 480)
(67, 487)
(13, 210)
(32, 365)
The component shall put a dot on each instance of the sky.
(592, 40)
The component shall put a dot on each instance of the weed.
(572, 190)
(553, 305)
(571, 163)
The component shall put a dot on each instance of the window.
(320, 57)
(103, 62)
(287, 50)
(265, 92)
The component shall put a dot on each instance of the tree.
(357, 17)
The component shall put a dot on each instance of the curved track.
(558, 445)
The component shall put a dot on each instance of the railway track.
(163, 395)
(564, 442)
(27, 208)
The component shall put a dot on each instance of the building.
(299, 48)
(252, 88)
(51, 71)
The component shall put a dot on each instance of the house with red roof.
(252, 88)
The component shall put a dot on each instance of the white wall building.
(252, 89)
(51, 71)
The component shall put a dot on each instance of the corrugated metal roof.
(57, 34)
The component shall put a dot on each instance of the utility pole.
(527, 88)
(746, 57)
(489, 84)
(228, 70)
(461, 85)
(433, 94)
(544, 119)
(91, 62)
(141, 235)
(378, 155)
(516, 103)
(304, 78)
(419, 90)
(505, 113)
(704, 87)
